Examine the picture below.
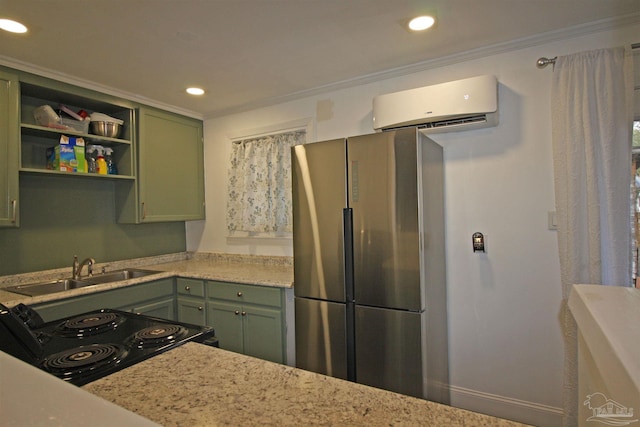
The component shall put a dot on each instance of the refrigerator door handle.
(347, 217)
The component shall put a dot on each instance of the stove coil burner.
(157, 335)
(77, 362)
(89, 324)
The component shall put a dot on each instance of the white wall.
(506, 355)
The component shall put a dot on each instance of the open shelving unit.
(36, 139)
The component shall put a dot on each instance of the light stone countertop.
(237, 272)
(608, 319)
(195, 385)
(255, 270)
(32, 397)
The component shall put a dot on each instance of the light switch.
(552, 220)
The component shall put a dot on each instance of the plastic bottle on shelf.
(101, 164)
(111, 165)
(91, 159)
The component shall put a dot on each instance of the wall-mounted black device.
(478, 242)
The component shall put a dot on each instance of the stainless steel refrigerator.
(369, 261)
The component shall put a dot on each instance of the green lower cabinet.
(191, 301)
(191, 310)
(250, 330)
(247, 319)
(262, 330)
(164, 309)
(155, 297)
(225, 319)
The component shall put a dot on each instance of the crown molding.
(494, 49)
(482, 52)
(88, 84)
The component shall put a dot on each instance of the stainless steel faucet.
(77, 267)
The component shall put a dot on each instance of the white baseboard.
(506, 407)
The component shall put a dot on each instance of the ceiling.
(250, 53)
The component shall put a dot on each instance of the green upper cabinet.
(170, 167)
(9, 142)
(159, 154)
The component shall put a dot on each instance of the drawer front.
(240, 293)
(191, 287)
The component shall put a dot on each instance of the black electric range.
(84, 348)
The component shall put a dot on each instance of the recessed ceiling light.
(12, 26)
(421, 23)
(195, 91)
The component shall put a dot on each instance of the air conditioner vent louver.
(459, 105)
(481, 118)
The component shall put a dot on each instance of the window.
(259, 186)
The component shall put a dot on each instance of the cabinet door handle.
(244, 313)
(199, 308)
(187, 288)
(239, 294)
(237, 312)
(14, 204)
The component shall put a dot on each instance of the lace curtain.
(591, 135)
(259, 186)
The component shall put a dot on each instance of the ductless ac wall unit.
(459, 105)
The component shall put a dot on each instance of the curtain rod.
(543, 62)
(268, 134)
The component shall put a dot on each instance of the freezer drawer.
(321, 338)
(389, 349)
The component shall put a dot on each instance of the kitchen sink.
(53, 286)
(44, 288)
(116, 276)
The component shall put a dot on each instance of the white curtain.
(591, 133)
(259, 186)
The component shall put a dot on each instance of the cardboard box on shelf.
(68, 156)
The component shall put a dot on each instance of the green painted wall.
(65, 216)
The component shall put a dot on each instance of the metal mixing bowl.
(110, 129)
